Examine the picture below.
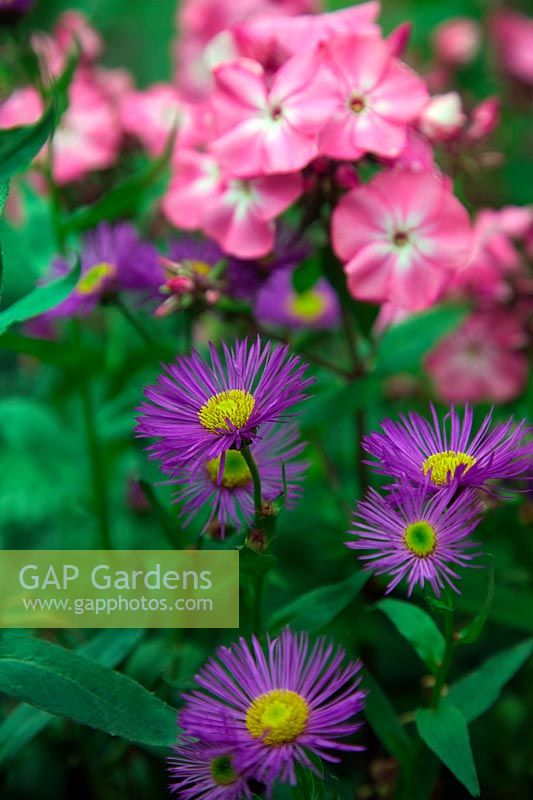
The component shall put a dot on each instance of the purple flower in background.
(198, 255)
(417, 534)
(199, 409)
(113, 259)
(277, 303)
(206, 772)
(279, 706)
(15, 7)
(415, 448)
(245, 278)
(229, 497)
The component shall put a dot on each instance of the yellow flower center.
(307, 305)
(442, 465)
(226, 411)
(277, 717)
(420, 538)
(222, 771)
(236, 472)
(95, 277)
(200, 267)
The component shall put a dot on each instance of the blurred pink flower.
(278, 37)
(376, 98)
(200, 22)
(442, 118)
(417, 155)
(482, 361)
(494, 257)
(457, 41)
(512, 35)
(151, 115)
(196, 180)
(241, 219)
(401, 236)
(484, 119)
(22, 107)
(73, 29)
(266, 130)
(88, 136)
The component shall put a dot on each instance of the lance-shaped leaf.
(69, 685)
(478, 691)
(445, 731)
(418, 628)
(107, 648)
(41, 299)
(314, 610)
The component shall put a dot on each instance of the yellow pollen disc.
(443, 465)
(227, 410)
(200, 267)
(236, 472)
(95, 277)
(277, 717)
(420, 538)
(307, 305)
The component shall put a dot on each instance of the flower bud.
(442, 117)
(457, 41)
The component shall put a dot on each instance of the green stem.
(147, 338)
(96, 465)
(254, 472)
(444, 668)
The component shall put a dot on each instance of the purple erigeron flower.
(202, 771)
(199, 409)
(229, 497)
(414, 448)
(279, 707)
(417, 534)
(201, 255)
(278, 303)
(113, 259)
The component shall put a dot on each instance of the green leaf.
(476, 692)
(123, 199)
(317, 608)
(403, 346)
(70, 685)
(471, 632)
(108, 648)
(19, 146)
(384, 721)
(4, 191)
(445, 731)
(41, 299)
(418, 628)
(306, 275)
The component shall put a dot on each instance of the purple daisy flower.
(198, 409)
(200, 254)
(281, 706)
(415, 448)
(417, 534)
(113, 259)
(206, 772)
(277, 303)
(230, 496)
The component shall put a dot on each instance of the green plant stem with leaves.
(444, 669)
